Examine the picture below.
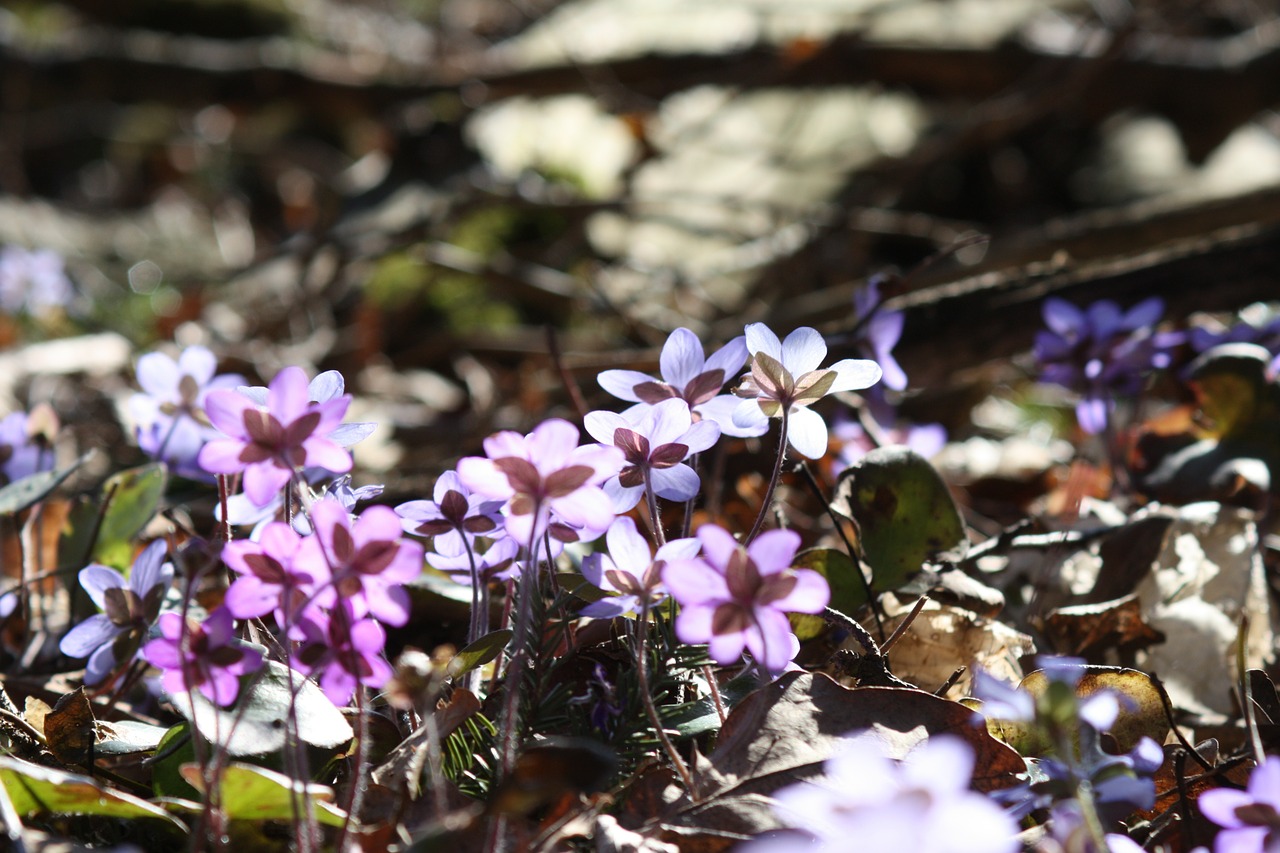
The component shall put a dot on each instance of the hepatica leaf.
(134, 497)
(904, 511)
(255, 793)
(255, 724)
(848, 592)
(36, 790)
(28, 491)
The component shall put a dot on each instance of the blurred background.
(471, 207)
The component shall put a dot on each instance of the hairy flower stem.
(659, 535)
(646, 697)
(358, 782)
(526, 588)
(479, 614)
(767, 502)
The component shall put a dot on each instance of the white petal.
(854, 374)
(807, 433)
(803, 351)
(681, 358)
(760, 338)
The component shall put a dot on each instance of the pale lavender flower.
(342, 651)
(498, 563)
(169, 418)
(454, 518)
(922, 803)
(880, 333)
(324, 388)
(113, 637)
(1250, 819)
(631, 570)
(688, 375)
(925, 439)
(735, 598)
(369, 561)
(655, 442)
(33, 280)
(542, 473)
(1101, 352)
(270, 441)
(26, 442)
(207, 659)
(785, 377)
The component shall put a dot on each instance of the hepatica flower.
(880, 333)
(735, 598)
(655, 442)
(498, 563)
(271, 440)
(368, 561)
(922, 803)
(26, 442)
(1250, 819)
(169, 414)
(343, 652)
(202, 656)
(33, 280)
(454, 518)
(1101, 351)
(542, 473)
(785, 377)
(271, 575)
(631, 570)
(687, 375)
(129, 607)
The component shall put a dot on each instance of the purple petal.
(346, 435)
(586, 507)
(747, 415)
(550, 444)
(682, 358)
(326, 386)
(1091, 414)
(772, 645)
(693, 623)
(162, 653)
(730, 358)
(694, 582)
(248, 597)
(91, 634)
(198, 363)
(389, 604)
(594, 566)
(724, 649)
(226, 411)
(480, 476)
(773, 550)
(1220, 804)
(221, 456)
(610, 608)
(101, 664)
(721, 410)
(701, 436)
(666, 422)
(1264, 784)
(1145, 313)
(628, 550)
(677, 483)
(97, 579)
(263, 481)
(1062, 317)
(718, 545)
(810, 594)
(622, 498)
(150, 569)
(605, 461)
(287, 395)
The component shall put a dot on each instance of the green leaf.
(175, 749)
(133, 497)
(255, 725)
(29, 491)
(848, 592)
(36, 790)
(255, 793)
(904, 512)
(127, 737)
(480, 652)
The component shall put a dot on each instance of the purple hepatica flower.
(1267, 335)
(1101, 351)
(925, 439)
(270, 441)
(631, 570)
(454, 519)
(26, 442)
(343, 651)
(496, 564)
(326, 387)
(273, 575)
(129, 607)
(655, 443)
(880, 333)
(368, 560)
(689, 376)
(734, 598)
(1250, 819)
(35, 281)
(785, 378)
(542, 473)
(171, 424)
(208, 659)
(922, 803)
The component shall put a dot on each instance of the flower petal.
(682, 358)
(729, 358)
(807, 433)
(760, 338)
(803, 351)
(622, 383)
(854, 374)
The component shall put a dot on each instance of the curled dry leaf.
(943, 638)
(1089, 630)
(783, 732)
